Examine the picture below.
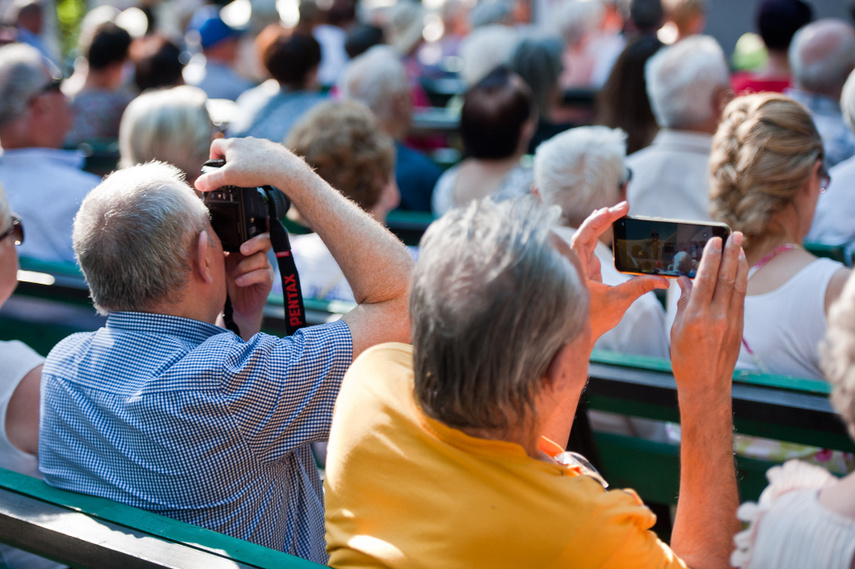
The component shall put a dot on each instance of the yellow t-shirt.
(405, 491)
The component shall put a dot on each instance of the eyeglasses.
(16, 231)
(627, 178)
(52, 86)
(824, 178)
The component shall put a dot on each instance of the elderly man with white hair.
(378, 79)
(582, 170)
(688, 86)
(835, 209)
(166, 410)
(822, 54)
(44, 183)
(441, 452)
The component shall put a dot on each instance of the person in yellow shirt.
(441, 453)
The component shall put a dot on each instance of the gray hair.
(837, 355)
(490, 12)
(23, 71)
(373, 78)
(682, 81)
(537, 59)
(484, 49)
(172, 125)
(575, 19)
(847, 101)
(492, 301)
(580, 170)
(134, 237)
(822, 54)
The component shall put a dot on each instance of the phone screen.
(666, 247)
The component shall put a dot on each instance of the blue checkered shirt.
(182, 418)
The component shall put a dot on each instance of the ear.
(536, 193)
(202, 259)
(808, 185)
(557, 374)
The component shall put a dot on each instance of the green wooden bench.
(776, 407)
(772, 406)
(86, 531)
(52, 301)
(836, 252)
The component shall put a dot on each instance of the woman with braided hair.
(767, 167)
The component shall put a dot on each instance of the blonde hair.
(837, 355)
(171, 124)
(341, 141)
(763, 151)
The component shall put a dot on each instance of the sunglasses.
(627, 178)
(16, 231)
(824, 178)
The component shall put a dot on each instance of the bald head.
(822, 55)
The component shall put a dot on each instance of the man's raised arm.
(375, 263)
(705, 343)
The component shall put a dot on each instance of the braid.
(763, 151)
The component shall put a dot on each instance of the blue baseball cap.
(209, 27)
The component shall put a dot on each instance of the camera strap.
(295, 312)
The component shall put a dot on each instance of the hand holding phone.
(665, 247)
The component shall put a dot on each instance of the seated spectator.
(768, 169)
(45, 185)
(170, 125)
(463, 421)
(271, 109)
(776, 21)
(822, 54)
(484, 49)
(379, 80)
(214, 68)
(577, 22)
(157, 63)
(19, 388)
(342, 143)
(496, 124)
(623, 102)
(166, 411)
(805, 517)
(331, 33)
(581, 171)
(28, 17)
(835, 210)
(640, 18)
(538, 61)
(440, 57)
(361, 37)
(688, 86)
(99, 103)
(684, 18)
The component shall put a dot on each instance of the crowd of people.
(448, 393)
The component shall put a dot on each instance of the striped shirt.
(187, 420)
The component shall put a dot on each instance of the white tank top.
(783, 328)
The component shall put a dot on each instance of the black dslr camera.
(237, 214)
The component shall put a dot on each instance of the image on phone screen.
(666, 247)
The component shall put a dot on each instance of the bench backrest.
(87, 531)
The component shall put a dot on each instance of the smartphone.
(665, 247)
